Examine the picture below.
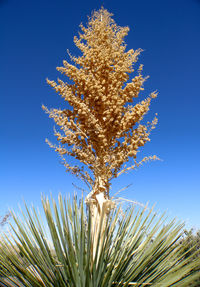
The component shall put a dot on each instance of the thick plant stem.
(99, 205)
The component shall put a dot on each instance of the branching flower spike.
(102, 129)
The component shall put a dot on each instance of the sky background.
(34, 38)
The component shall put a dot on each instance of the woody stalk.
(101, 125)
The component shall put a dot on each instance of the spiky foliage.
(191, 242)
(138, 250)
(103, 128)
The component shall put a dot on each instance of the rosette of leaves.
(139, 249)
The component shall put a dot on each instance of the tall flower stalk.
(102, 129)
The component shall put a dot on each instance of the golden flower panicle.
(100, 129)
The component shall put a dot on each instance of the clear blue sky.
(34, 37)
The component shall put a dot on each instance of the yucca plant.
(138, 249)
(99, 245)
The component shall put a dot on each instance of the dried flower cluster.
(103, 128)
